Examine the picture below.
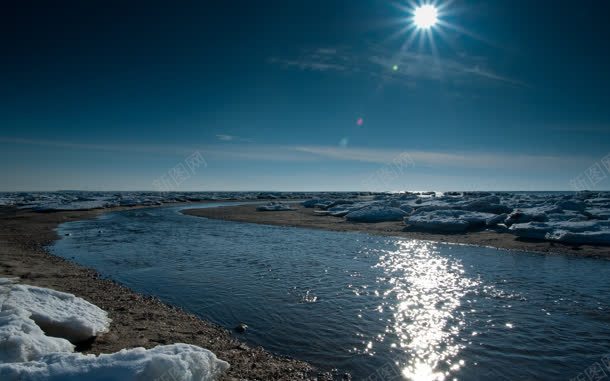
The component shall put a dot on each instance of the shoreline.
(305, 218)
(137, 320)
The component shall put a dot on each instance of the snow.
(82, 200)
(376, 214)
(177, 362)
(582, 216)
(506, 209)
(274, 207)
(448, 220)
(489, 204)
(496, 219)
(29, 352)
(58, 313)
(565, 231)
(601, 237)
(313, 202)
(532, 230)
(524, 215)
(22, 340)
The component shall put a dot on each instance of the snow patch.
(177, 362)
(274, 207)
(27, 353)
(59, 314)
(22, 340)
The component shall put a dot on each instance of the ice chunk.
(406, 208)
(535, 214)
(58, 313)
(599, 213)
(313, 202)
(578, 206)
(376, 214)
(448, 220)
(495, 220)
(489, 204)
(177, 362)
(556, 230)
(601, 237)
(532, 230)
(274, 207)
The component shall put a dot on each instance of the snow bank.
(274, 207)
(58, 313)
(565, 231)
(376, 214)
(313, 202)
(489, 204)
(85, 200)
(177, 362)
(534, 215)
(22, 340)
(448, 220)
(532, 230)
(27, 353)
(601, 237)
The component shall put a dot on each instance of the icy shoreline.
(580, 218)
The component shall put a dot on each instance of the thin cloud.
(448, 159)
(232, 138)
(129, 148)
(407, 67)
(300, 153)
(225, 138)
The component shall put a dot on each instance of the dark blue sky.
(114, 94)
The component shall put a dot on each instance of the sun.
(425, 16)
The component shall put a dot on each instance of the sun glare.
(425, 16)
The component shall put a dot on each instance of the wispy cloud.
(480, 160)
(406, 67)
(232, 138)
(305, 153)
(112, 147)
(225, 138)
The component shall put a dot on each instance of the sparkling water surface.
(381, 308)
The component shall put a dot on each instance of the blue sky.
(107, 95)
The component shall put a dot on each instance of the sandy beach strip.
(137, 321)
(305, 218)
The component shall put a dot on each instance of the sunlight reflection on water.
(424, 294)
